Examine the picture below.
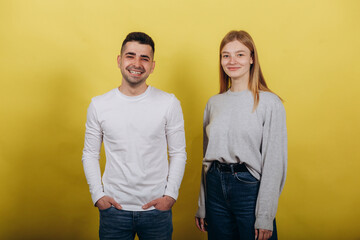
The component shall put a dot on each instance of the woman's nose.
(232, 59)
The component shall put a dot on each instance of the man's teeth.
(133, 72)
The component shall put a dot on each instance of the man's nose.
(137, 62)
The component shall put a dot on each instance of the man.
(140, 127)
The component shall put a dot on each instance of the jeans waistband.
(230, 167)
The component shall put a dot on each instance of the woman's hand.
(262, 234)
(200, 223)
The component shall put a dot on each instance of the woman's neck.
(238, 85)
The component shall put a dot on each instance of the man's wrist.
(170, 194)
(170, 198)
(96, 197)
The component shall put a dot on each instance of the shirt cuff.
(97, 196)
(264, 223)
(200, 212)
(171, 194)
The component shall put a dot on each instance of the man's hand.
(163, 204)
(262, 234)
(106, 202)
(200, 223)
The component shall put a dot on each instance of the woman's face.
(236, 60)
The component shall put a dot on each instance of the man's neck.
(132, 91)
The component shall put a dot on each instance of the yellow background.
(56, 55)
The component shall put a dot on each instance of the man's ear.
(152, 67)
(118, 60)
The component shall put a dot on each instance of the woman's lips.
(233, 68)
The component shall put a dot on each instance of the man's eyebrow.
(130, 53)
(134, 54)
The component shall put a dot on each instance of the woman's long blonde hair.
(256, 79)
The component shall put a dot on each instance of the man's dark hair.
(139, 37)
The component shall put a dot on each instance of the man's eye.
(145, 59)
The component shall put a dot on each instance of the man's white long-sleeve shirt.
(139, 133)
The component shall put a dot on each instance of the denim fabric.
(230, 205)
(123, 225)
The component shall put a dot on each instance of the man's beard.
(133, 82)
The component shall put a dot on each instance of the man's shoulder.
(105, 97)
(162, 95)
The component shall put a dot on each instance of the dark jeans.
(123, 225)
(230, 205)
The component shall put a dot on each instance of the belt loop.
(216, 166)
(232, 168)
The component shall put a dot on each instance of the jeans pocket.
(246, 177)
(162, 210)
(106, 209)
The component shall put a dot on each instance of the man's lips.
(136, 72)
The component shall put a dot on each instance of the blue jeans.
(230, 205)
(123, 225)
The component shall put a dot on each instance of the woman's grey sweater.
(233, 133)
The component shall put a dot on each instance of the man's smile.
(136, 72)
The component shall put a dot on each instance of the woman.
(245, 149)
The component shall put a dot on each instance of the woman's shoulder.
(269, 100)
(217, 98)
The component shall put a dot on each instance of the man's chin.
(135, 81)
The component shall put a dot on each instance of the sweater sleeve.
(91, 154)
(201, 202)
(175, 136)
(274, 164)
